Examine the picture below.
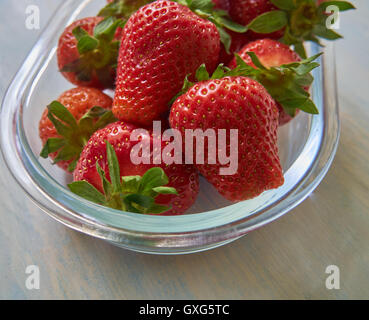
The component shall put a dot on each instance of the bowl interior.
(49, 84)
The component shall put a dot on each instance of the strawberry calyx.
(129, 193)
(285, 83)
(122, 9)
(302, 20)
(73, 135)
(98, 53)
(206, 10)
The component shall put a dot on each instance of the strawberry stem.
(98, 53)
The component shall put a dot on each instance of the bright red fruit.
(235, 103)
(271, 53)
(184, 178)
(244, 11)
(78, 101)
(89, 62)
(161, 44)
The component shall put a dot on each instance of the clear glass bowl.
(307, 147)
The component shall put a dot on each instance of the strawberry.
(162, 43)
(281, 71)
(184, 178)
(271, 53)
(67, 124)
(88, 52)
(245, 11)
(293, 21)
(240, 103)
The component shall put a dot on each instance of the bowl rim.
(176, 233)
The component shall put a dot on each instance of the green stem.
(83, 140)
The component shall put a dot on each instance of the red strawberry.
(88, 52)
(271, 53)
(244, 11)
(184, 178)
(274, 69)
(234, 103)
(161, 43)
(63, 132)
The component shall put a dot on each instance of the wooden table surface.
(285, 259)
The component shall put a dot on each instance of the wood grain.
(286, 259)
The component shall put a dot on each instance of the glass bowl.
(307, 147)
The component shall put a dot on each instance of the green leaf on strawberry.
(131, 193)
(98, 53)
(283, 4)
(202, 75)
(302, 20)
(269, 22)
(122, 9)
(73, 135)
(341, 5)
(284, 83)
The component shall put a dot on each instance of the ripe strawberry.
(68, 123)
(235, 103)
(244, 11)
(184, 178)
(294, 21)
(281, 71)
(271, 53)
(161, 43)
(88, 52)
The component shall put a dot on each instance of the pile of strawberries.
(190, 64)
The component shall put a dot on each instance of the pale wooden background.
(286, 259)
